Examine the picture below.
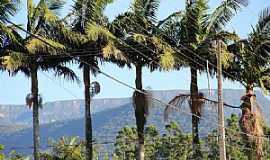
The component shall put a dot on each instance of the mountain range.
(65, 118)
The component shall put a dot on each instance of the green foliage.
(251, 56)
(193, 31)
(235, 147)
(224, 13)
(142, 44)
(172, 145)
(146, 8)
(2, 156)
(13, 155)
(125, 144)
(44, 45)
(23, 53)
(88, 11)
(13, 61)
(7, 9)
(68, 148)
(176, 145)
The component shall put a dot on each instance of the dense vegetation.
(173, 144)
(189, 38)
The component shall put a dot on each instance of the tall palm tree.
(27, 54)
(139, 42)
(251, 67)
(89, 35)
(193, 33)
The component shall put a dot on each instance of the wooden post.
(221, 129)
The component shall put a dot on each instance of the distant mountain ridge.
(65, 118)
(55, 111)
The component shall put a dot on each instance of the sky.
(14, 89)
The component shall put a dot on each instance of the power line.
(66, 89)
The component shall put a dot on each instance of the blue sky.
(14, 89)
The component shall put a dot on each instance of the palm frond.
(225, 37)
(44, 14)
(226, 56)
(66, 72)
(44, 45)
(223, 14)
(110, 51)
(169, 18)
(165, 51)
(193, 21)
(170, 28)
(264, 21)
(67, 36)
(146, 8)
(7, 8)
(167, 59)
(95, 32)
(13, 61)
(55, 5)
(6, 35)
(46, 10)
(49, 15)
(122, 24)
(30, 13)
(176, 101)
(88, 11)
(95, 8)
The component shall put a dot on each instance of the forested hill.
(65, 118)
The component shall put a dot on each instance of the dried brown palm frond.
(251, 123)
(179, 100)
(176, 101)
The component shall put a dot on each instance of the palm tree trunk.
(34, 90)
(244, 120)
(88, 120)
(195, 109)
(139, 113)
(251, 122)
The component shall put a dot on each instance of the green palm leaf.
(146, 8)
(264, 20)
(223, 14)
(44, 45)
(7, 8)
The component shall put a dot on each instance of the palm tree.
(89, 35)
(30, 53)
(250, 66)
(139, 43)
(193, 32)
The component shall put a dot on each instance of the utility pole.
(221, 129)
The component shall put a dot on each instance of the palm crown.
(251, 56)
